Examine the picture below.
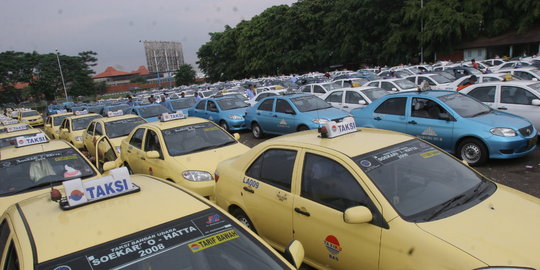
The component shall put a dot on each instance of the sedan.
(227, 111)
(352, 98)
(394, 85)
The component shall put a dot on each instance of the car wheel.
(256, 131)
(302, 128)
(242, 217)
(473, 151)
(224, 125)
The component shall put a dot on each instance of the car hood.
(152, 119)
(239, 111)
(208, 160)
(502, 119)
(503, 230)
(329, 113)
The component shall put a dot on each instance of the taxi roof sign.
(61, 111)
(81, 112)
(116, 113)
(333, 129)
(30, 140)
(10, 122)
(165, 117)
(17, 128)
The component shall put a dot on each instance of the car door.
(430, 121)
(154, 166)
(264, 115)
(284, 117)
(518, 100)
(268, 194)
(486, 94)
(88, 138)
(353, 100)
(328, 187)
(64, 130)
(335, 99)
(105, 152)
(318, 90)
(134, 151)
(200, 109)
(390, 115)
(212, 111)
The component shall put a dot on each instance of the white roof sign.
(38, 138)
(334, 129)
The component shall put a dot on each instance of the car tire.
(473, 151)
(224, 125)
(243, 218)
(256, 131)
(302, 128)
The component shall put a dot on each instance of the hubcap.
(471, 153)
(256, 131)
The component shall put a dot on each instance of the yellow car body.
(376, 199)
(52, 124)
(9, 138)
(72, 128)
(116, 128)
(31, 117)
(147, 151)
(161, 226)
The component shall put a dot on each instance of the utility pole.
(421, 32)
(61, 74)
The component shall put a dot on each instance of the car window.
(422, 79)
(136, 139)
(82, 123)
(99, 129)
(516, 95)
(306, 89)
(395, 106)
(484, 93)
(90, 129)
(327, 182)
(261, 96)
(426, 108)
(205, 136)
(412, 79)
(373, 84)
(151, 143)
(388, 86)
(201, 104)
(318, 89)
(120, 128)
(524, 75)
(352, 97)
(4, 234)
(58, 120)
(266, 105)
(12, 259)
(274, 167)
(282, 106)
(336, 96)
(212, 106)
(490, 79)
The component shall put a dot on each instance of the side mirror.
(362, 102)
(536, 102)
(152, 154)
(357, 215)
(395, 89)
(294, 253)
(236, 136)
(109, 165)
(534, 79)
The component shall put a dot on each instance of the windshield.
(152, 111)
(30, 113)
(405, 84)
(440, 79)
(309, 103)
(417, 178)
(82, 123)
(206, 240)
(124, 107)
(375, 93)
(57, 120)
(194, 138)
(331, 86)
(120, 128)
(182, 103)
(231, 103)
(9, 141)
(535, 87)
(464, 105)
(41, 169)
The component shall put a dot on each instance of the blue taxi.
(227, 111)
(150, 112)
(457, 123)
(179, 104)
(290, 113)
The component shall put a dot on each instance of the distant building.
(163, 56)
(112, 76)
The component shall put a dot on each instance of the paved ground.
(522, 173)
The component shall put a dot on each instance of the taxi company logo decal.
(365, 163)
(213, 219)
(63, 267)
(332, 244)
(194, 247)
(283, 123)
(429, 132)
(76, 195)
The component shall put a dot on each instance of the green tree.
(185, 75)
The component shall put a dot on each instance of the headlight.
(235, 117)
(504, 132)
(118, 149)
(197, 176)
(319, 121)
(78, 138)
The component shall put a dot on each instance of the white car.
(267, 93)
(436, 81)
(509, 65)
(394, 85)
(319, 89)
(483, 78)
(352, 98)
(493, 62)
(524, 73)
(518, 97)
(351, 82)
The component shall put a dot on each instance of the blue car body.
(150, 112)
(226, 111)
(113, 108)
(448, 118)
(283, 114)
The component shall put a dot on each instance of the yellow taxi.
(53, 122)
(116, 127)
(376, 199)
(112, 223)
(13, 125)
(31, 117)
(181, 149)
(9, 137)
(35, 164)
(72, 127)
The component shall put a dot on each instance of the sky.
(114, 28)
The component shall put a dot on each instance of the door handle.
(345, 106)
(249, 190)
(143, 158)
(377, 118)
(502, 108)
(305, 213)
(274, 115)
(412, 122)
(129, 151)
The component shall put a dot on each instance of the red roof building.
(111, 72)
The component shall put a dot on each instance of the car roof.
(115, 118)
(175, 123)
(57, 232)
(13, 152)
(83, 116)
(511, 82)
(349, 144)
(431, 93)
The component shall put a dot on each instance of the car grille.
(526, 131)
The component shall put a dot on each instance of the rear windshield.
(82, 123)
(120, 128)
(182, 103)
(152, 111)
(206, 240)
(195, 138)
(310, 103)
(30, 113)
(57, 120)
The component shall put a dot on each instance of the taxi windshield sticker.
(212, 241)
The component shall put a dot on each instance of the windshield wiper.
(444, 207)
(208, 147)
(476, 191)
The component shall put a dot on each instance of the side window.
(90, 128)
(336, 96)
(376, 84)
(151, 142)
(4, 234)
(67, 124)
(282, 106)
(99, 129)
(412, 79)
(484, 93)
(327, 182)
(12, 259)
(394, 106)
(516, 95)
(212, 106)
(426, 108)
(524, 75)
(490, 79)
(136, 139)
(261, 96)
(274, 167)
(266, 105)
(352, 97)
(388, 86)
(48, 121)
(422, 79)
(318, 89)
(306, 89)
(200, 106)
